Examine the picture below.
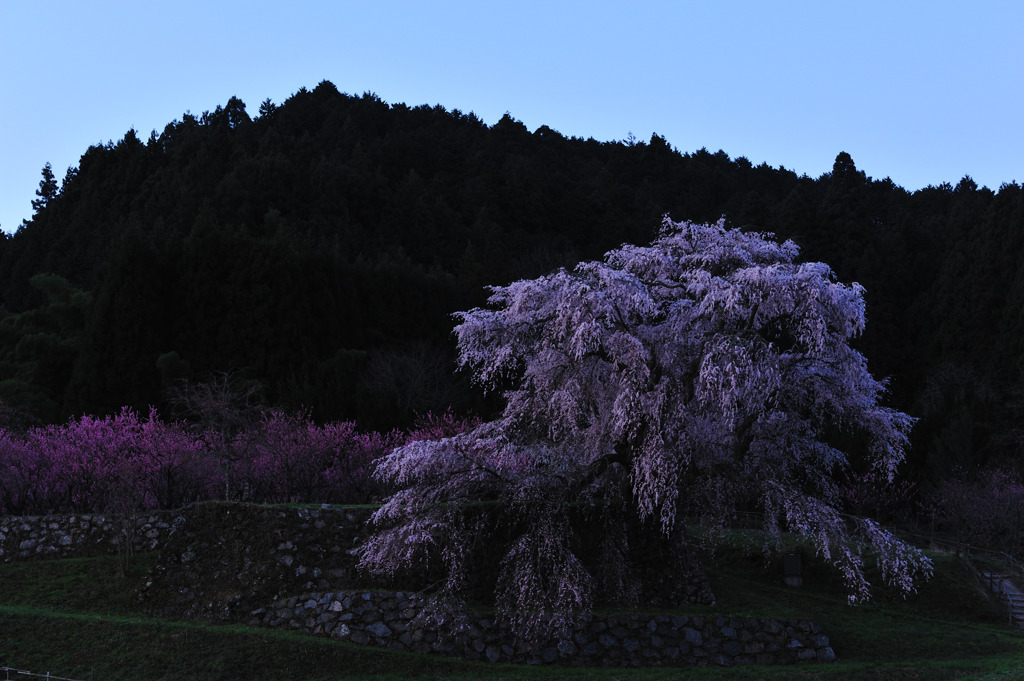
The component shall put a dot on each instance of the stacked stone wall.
(393, 620)
(225, 559)
(229, 561)
(75, 536)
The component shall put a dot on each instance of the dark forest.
(321, 246)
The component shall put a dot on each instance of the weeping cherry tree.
(704, 373)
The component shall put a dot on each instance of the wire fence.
(961, 548)
(922, 539)
(8, 671)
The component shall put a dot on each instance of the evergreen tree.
(47, 189)
(333, 232)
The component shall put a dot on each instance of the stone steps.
(1008, 591)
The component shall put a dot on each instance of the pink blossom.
(703, 372)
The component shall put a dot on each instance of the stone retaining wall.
(74, 536)
(391, 620)
(218, 548)
(225, 559)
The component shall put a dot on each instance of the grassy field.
(77, 618)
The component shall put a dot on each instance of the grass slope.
(77, 618)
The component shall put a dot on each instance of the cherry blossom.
(707, 372)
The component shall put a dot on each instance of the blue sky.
(922, 92)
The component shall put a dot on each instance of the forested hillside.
(321, 246)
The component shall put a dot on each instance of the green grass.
(77, 618)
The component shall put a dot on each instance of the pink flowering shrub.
(88, 459)
(174, 467)
(431, 426)
(986, 511)
(870, 494)
(297, 460)
(120, 463)
(350, 473)
(287, 464)
(126, 463)
(24, 475)
(690, 377)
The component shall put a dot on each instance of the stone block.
(379, 629)
(723, 660)
(692, 636)
(732, 648)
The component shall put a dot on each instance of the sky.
(920, 92)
